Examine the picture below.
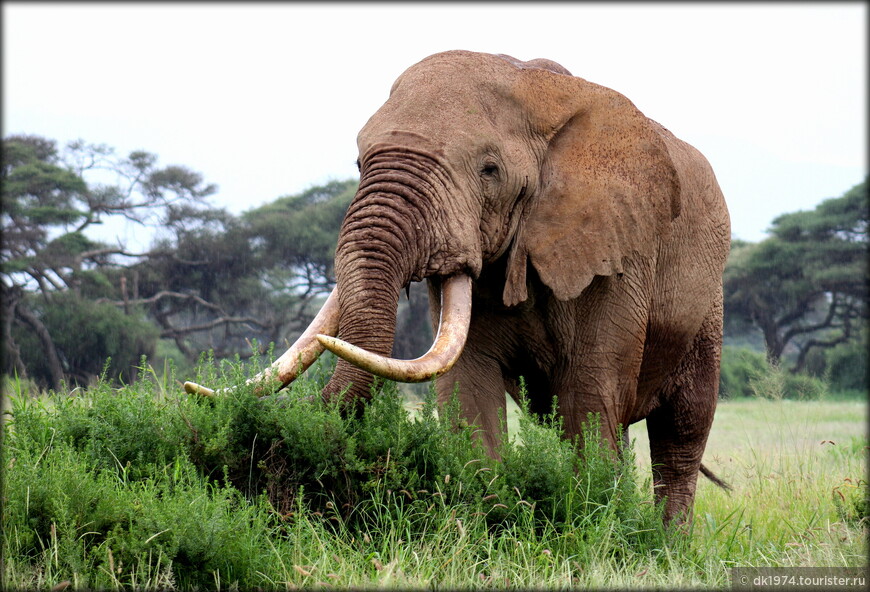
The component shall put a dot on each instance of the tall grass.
(145, 487)
(799, 473)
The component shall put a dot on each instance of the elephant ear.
(608, 188)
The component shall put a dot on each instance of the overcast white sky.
(266, 100)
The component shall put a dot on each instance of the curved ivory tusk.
(198, 389)
(296, 359)
(452, 332)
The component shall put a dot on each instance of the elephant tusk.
(296, 359)
(198, 389)
(452, 332)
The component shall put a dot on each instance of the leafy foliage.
(805, 287)
(738, 368)
(297, 234)
(89, 338)
(105, 479)
(748, 373)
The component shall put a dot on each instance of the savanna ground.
(147, 488)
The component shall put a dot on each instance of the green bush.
(112, 487)
(746, 373)
(65, 513)
(846, 366)
(777, 383)
(86, 334)
(738, 368)
(804, 387)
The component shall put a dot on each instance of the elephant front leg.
(481, 393)
(579, 397)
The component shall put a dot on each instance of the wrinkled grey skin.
(596, 240)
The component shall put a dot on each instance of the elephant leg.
(481, 394)
(599, 383)
(476, 378)
(601, 336)
(679, 427)
(574, 408)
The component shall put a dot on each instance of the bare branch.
(212, 325)
(167, 294)
(41, 277)
(824, 324)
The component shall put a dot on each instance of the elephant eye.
(358, 167)
(489, 170)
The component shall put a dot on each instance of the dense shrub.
(117, 481)
(746, 373)
(738, 368)
(86, 333)
(846, 366)
(777, 383)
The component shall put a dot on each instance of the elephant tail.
(712, 477)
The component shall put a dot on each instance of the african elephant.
(565, 238)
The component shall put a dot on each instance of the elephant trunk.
(384, 243)
(380, 249)
(368, 301)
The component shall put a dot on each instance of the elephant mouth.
(321, 335)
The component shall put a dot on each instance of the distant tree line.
(803, 290)
(74, 307)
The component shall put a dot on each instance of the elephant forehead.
(463, 83)
(448, 114)
(443, 122)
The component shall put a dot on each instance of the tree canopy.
(53, 272)
(805, 286)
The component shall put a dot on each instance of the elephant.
(565, 238)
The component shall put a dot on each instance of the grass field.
(145, 488)
(792, 465)
(789, 462)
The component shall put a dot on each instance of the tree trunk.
(772, 340)
(12, 362)
(52, 359)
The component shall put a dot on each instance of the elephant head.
(476, 159)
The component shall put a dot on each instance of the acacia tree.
(805, 287)
(52, 272)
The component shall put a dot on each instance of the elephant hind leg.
(679, 427)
